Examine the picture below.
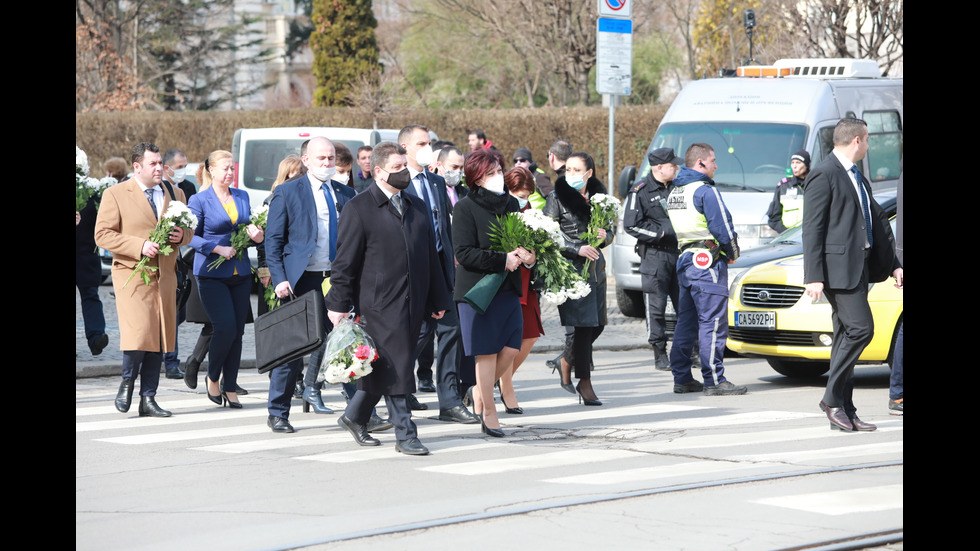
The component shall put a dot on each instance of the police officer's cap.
(664, 155)
(803, 156)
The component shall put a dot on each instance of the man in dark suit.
(300, 247)
(431, 190)
(847, 243)
(387, 270)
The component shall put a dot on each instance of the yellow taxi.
(769, 316)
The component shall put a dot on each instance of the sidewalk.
(622, 333)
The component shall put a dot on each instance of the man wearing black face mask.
(387, 270)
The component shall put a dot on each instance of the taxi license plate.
(759, 320)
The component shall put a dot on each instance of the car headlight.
(739, 273)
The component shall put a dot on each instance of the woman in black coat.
(494, 336)
(569, 205)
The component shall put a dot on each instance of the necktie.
(333, 220)
(397, 201)
(153, 205)
(864, 203)
(430, 203)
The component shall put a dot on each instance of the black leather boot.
(149, 408)
(124, 398)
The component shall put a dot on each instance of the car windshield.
(750, 156)
(263, 158)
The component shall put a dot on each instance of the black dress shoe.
(426, 385)
(860, 425)
(414, 404)
(838, 418)
(458, 414)
(190, 373)
(359, 432)
(98, 343)
(124, 398)
(174, 373)
(149, 408)
(412, 446)
(278, 424)
(377, 424)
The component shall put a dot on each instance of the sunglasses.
(519, 160)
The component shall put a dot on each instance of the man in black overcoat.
(387, 271)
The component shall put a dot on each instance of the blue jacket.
(290, 235)
(214, 228)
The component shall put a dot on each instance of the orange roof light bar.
(763, 71)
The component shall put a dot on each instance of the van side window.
(884, 144)
(824, 145)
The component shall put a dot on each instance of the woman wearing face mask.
(225, 289)
(345, 163)
(569, 205)
(493, 337)
(520, 184)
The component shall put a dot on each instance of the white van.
(754, 124)
(258, 151)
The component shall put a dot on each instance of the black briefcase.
(290, 331)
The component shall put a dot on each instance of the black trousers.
(362, 404)
(853, 330)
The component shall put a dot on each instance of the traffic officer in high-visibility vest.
(708, 243)
(786, 209)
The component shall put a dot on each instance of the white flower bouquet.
(605, 211)
(240, 239)
(86, 186)
(534, 231)
(349, 354)
(177, 215)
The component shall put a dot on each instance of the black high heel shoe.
(561, 379)
(587, 401)
(226, 401)
(513, 411)
(496, 433)
(216, 398)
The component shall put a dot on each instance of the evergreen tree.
(344, 48)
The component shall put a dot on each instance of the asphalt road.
(648, 470)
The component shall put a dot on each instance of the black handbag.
(290, 331)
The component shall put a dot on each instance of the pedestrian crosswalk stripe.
(540, 461)
(837, 452)
(384, 452)
(689, 442)
(677, 470)
(842, 502)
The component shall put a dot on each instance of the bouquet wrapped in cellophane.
(349, 354)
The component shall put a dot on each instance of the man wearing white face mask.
(431, 188)
(303, 217)
(175, 171)
(451, 169)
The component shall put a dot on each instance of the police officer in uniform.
(708, 243)
(786, 209)
(646, 219)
